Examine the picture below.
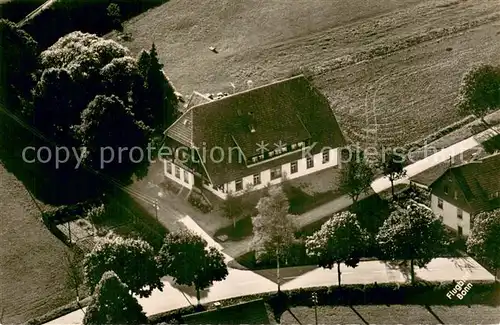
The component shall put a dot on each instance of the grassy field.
(33, 278)
(395, 314)
(391, 69)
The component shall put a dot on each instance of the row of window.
(276, 172)
(460, 213)
(177, 173)
(279, 151)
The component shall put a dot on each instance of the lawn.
(32, 269)
(394, 314)
(390, 69)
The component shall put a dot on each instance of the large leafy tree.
(412, 233)
(111, 136)
(132, 259)
(480, 90)
(392, 166)
(186, 257)
(484, 239)
(340, 240)
(356, 175)
(112, 303)
(273, 227)
(19, 61)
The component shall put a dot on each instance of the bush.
(199, 202)
(70, 212)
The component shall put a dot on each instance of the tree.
(115, 16)
(232, 207)
(186, 257)
(159, 96)
(19, 60)
(356, 176)
(108, 123)
(480, 90)
(392, 166)
(414, 234)
(74, 274)
(484, 239)
(273, 228)
(340, 240)
(132, 259)
(112, 303)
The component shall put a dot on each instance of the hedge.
(67, 213)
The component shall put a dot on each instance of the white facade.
(450, 215)
(178, 174)
(302, 169)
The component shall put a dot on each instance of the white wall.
(182, 180)
(449, 214)
(265, 176)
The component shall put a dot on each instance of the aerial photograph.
(295, 162)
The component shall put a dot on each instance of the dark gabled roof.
(252, 312)
(291, 110)
(182, 129)
(478, 180)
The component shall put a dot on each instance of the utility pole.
(278, 269)
(156, 208)
(314, 297)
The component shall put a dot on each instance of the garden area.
(371, 213)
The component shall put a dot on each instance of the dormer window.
(261, 157)
(255, 159)
(284, 149)
(294, 146)
(301, 144)
(277, 151)
(271, 153)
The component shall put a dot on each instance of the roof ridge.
(252, 89)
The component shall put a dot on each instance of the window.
(177, 172)
(441, 218)
(460, 213)
(309, 162)
(293, 167)
(239, 185)
(284, 149)
(186, 177)
(276, 172)
(256, 179)
(446, 190)
(326, 156)
(271, 153)
(460, 231)
(254, 159)
(301, 144)
(169, 167)
(440, 203)
(294, 146)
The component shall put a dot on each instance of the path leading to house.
(382, 184)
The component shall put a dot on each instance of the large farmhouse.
(253, 138)
(464, 191)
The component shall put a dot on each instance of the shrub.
(198, 202)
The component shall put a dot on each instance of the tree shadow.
(188, 290)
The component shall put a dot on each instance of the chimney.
(251, 122)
